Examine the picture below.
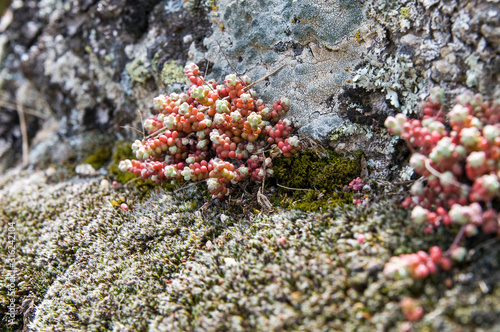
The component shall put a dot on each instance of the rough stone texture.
(316, 43)
(170, 264)
(392, 52)
(82, 68)
(89, 65)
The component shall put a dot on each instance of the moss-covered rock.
(99, 158)
(167, 264)
(317, 179)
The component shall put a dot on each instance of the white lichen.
(397, 77)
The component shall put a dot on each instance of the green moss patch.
(99, 158)
(122, 150)
(317, 180)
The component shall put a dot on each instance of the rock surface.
(81, 69)
(89, 65)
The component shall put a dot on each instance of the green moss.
(310, 170)
(324, 176)
(121, 151)
(99, 158)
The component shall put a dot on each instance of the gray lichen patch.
(451, 42)
(137, 71)
(320, 45)
(74, 54)
(314, 39)
(396, 77)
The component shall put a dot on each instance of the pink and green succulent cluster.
(457, 153)
(357, 184)
(418, 265)
(214, 132)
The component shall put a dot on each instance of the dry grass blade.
(129, 127)
(24, 133)
(262, 79)
(263, 201)
(131, 181)
(26, 110)
(157, 133)
(142, 123)
(289, 188)
(188, 185)
(230, 65)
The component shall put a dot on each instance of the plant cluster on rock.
(458, 155)
(214, 132)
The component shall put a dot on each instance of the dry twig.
(279, 185)
(262, 79)
(24, 133)
(230, 65)
(27, 110)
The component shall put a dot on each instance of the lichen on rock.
(172, 262)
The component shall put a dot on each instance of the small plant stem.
(456, 241)
(262, 79)
(279, 185)
(440, 176)
(412, 149)
(24, 133)
(26, 110)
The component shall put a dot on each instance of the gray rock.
(320, 128)
(85, 170)
(73, 56)
(92, 64)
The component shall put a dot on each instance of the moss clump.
(324, 175)
(122, 150)
(99, 158)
